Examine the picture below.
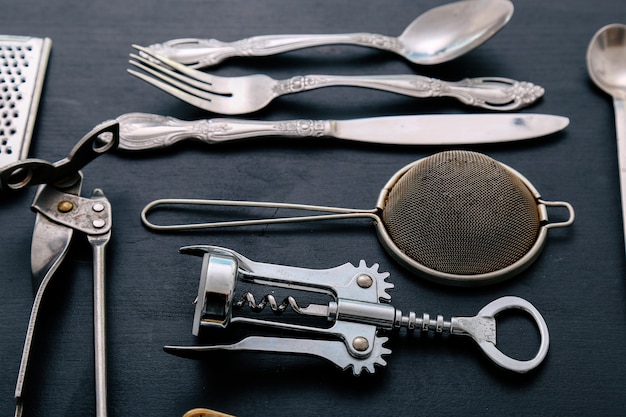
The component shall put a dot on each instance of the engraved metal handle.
(493, 93)
(200, 53)
(140, 131)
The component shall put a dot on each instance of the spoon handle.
(200, 53)
(620, 125)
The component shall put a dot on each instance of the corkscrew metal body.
(358, 313)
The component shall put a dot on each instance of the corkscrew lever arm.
(333, 351)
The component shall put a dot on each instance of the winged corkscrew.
(359, 313)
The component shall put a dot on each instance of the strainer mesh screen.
(461, 213)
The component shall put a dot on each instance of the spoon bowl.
(436, 36)
(449, 31)
(606, 60)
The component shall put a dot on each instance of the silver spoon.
(438, 35)
(606, 63)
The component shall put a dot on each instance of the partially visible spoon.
(438, 35)
(606, 63)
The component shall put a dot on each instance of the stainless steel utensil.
(606, 63)
(455, 217)
(352, 306)
(61, 211)
(438, 35)
(32, 171)
(245, 94)
(23, 63)
(141, 131)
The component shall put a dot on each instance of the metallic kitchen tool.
(142, 131)
(606, 64)
(32, 171)
(455, 217)
(246, 94)
(438, 35)
(205, 412)
(60, 212)
(23, 63)
(353, 322)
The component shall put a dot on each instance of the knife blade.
(142, 131)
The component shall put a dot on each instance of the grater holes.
(5, 134)
(19, 60)
(4, 144)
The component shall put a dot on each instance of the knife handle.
(143, 131)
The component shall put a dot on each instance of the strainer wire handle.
(337, 213)
(569, 208)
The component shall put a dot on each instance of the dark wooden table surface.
(578, 283)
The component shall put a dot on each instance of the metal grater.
(23, 62)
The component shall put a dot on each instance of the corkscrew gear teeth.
(358, 313)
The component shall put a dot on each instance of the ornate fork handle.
(141, 131)
(199, 53)
(493, 93)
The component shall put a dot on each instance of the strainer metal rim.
(459, 279)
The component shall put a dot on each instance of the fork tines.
(173, 78)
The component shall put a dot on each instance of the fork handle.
(143, 131)
(201, 53)
(494, 93)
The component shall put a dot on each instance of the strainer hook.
(564, 204)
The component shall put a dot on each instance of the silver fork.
(246, 94)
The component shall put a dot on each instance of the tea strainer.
(456, 217)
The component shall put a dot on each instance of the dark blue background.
(578, 283)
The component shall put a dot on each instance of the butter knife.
(142, 131)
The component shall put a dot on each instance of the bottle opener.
(358, 313)
(60, 212)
